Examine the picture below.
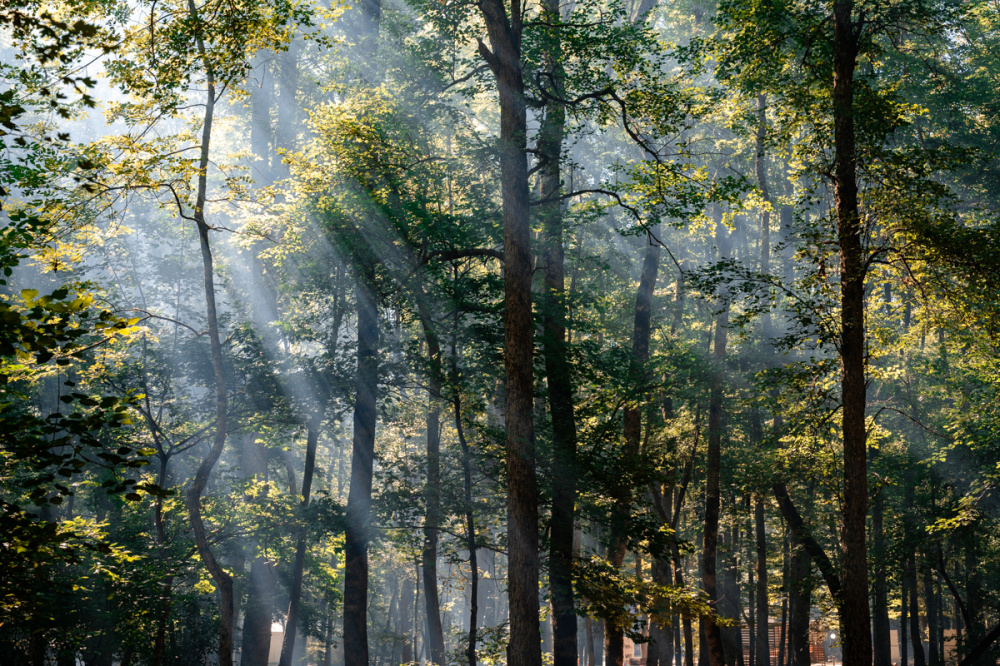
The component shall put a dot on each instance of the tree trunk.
(903, 620)
(557, 368)
(785, 580)
(223, 581)
(298, 568)
(362, 461)
(259, 613)
(470, 524)
(406, 619)
(730, 597)
(712, 645)
(613, 633)
(855, 615)
(432, 498)
(763, 656)
(915, 636)
(661, 646)
(930, 606)
(799, 603)
(504, 31)
(880, 593)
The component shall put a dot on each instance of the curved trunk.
(223, 581)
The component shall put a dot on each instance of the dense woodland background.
(498, 333)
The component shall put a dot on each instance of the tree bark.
(362, 461)
(504, 31)
(432, 498)
(614, 635)
(223, 581)
(763, 656)
(915, 636)
(855, 614)
(713, 648)
(880, 593)
(903, 620)
(557, 368)
(470, 518)
(298, 567)
(799, 603)
(930, 606)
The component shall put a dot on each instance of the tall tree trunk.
(504, 31)
(223, 581)
(432, 497)
(713, 649)
(903, 620)
(359, 495)
(298, 568)
(613, 633)
(783, 635)
(557, 368)
(855, 615)
(730, 597)
(763, 656)
(406, 619)
(880, 591)
(362, 461)
(799, 603)
(167, 586)
(470, 518)
(259, 608)
(661, 646)
(931, 608)
(915, 635)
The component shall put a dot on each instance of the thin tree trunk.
(904, 620)
(880, 592)
(763, 657)
(557, 370)
(406, 620)
(159, 642)
(712, 645)
(470, 523)
(432, 498)
(915, 636)
(783, 635)
(613, 633)
(223, 581)
(298, 568)
(930, 606)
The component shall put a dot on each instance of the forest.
(496, 332)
